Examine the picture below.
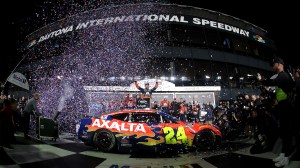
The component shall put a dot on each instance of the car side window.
(122, 117)
(138, 117)
(145, 117)
(154, 118)
(167, 120)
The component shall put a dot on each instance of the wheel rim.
(104, 140)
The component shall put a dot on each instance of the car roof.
(132, 111)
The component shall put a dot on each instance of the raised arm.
(155, 87)
(137, 86)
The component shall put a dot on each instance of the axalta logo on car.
(131, 127)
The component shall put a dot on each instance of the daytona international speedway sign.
(142, 18)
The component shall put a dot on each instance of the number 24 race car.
(144, 129)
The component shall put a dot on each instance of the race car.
(145, 129)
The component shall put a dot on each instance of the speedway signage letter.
(143, 18)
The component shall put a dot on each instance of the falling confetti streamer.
(111, 54)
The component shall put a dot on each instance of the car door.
(173, 131)
(153, 127)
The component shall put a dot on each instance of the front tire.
(205, 139)
(104, 140)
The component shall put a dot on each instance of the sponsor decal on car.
(114, 125)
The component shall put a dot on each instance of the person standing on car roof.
(146, 92)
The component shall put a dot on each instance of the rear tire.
(205, 139)
(104, 140)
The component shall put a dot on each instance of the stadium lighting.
(137, 78)
(163, 78)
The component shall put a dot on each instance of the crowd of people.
(186, 111)
(20, 114)
(15, 116)
(240, 118)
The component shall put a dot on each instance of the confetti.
(112, 54)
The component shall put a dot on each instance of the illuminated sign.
(259, 39)
(143, 18)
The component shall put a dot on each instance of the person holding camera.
(283, 90)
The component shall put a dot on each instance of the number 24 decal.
(172, 139)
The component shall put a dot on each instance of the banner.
(19, 80)
(143, 103)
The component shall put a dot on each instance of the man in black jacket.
(146, 94)
(284, 85)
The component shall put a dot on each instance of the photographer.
(284, 84)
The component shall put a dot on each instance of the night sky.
(19, 18)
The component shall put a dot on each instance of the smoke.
(67, 94)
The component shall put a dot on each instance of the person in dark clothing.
(297, 80)
(255, 102)
(7, 124)
(174, 108)
(266, 128)
(297, 98)
(284, 85)
(30, 109)
(155, 105)
(22, 103)
(146, 94)
(296, 107)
